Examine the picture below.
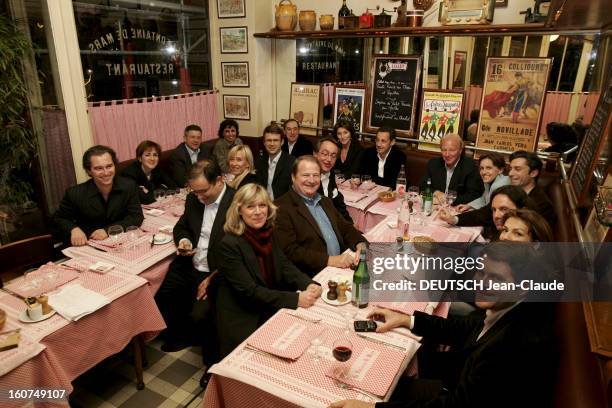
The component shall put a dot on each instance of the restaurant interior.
(87, 318)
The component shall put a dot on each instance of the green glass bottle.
(361, 283)
(428, 198)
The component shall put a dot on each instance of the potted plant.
(17, 141)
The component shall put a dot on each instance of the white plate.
(154, 212)
(23, 317)
(349, 296)
(166, 229)
(161, 239)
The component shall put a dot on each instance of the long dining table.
(53, 352)
(253, 374)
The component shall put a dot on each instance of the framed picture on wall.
(230, 8)
(459, 67)
(237, 107)
(234, 40)
(441, 114)
(235, 74)
(349, 105)
(305, 106)
(512, 101)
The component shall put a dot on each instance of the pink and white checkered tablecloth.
(436, 229)
(250, 378)
(47, 282)
(357, 201)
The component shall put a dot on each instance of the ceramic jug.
(286, 15)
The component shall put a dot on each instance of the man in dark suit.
(525, 169)
(384, 161)
(312, 233)
(454, 172)
(295, 144)
(326, 154)
(274, 168)
(183, 296)
(87, 209)
(186, 154)
(504, 358)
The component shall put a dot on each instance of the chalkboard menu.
(392, 93)
(582, 170)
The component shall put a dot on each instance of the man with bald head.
(454, 172)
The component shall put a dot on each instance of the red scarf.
(261, 242)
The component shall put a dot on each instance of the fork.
(345, 386)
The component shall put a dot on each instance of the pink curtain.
(125, 123)
(556, 108)
(474, 95)
(586, 106)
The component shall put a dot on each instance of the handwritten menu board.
(582, 170)
(392, 93)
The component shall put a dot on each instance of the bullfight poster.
(305, 107)
(512, 103)
(440, 115)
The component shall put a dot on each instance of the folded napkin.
(109, 243)
(351, 196)
(46, 282)
(285, 336)
(74, 301)
(372, 366)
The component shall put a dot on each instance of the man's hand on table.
(99, 234)
(77, 237)
(446, 216)
(314, 289)
(345, 260)
(352, 404)
(185, 248)
(307, 298)
(461, 208)
(390, 319)
(439, 197)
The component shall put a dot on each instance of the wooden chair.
(18, 257)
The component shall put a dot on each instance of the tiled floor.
(171, 380)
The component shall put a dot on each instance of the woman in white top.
(492, 166)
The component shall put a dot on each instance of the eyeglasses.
(196, 192)
(325, 154)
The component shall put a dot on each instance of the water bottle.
(428, 198)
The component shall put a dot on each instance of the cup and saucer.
(33, 314)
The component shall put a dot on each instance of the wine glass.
(451, 196)
(31, 281)
(339, 176)
(114, 231)
(51, 274)
(132, 235)
(159, 194)
(355, 181)
(342, 351)
(413, 193)
(366, 181)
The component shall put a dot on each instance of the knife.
(381, 342)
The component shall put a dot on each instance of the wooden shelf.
(456, 30)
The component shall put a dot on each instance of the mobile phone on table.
(365, 325)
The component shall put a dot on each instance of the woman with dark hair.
(146, 173)
(351, 152)
(492, 166)
(228, 138)
(525, 225)
(255, 278)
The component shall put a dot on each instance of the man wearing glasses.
(182, 297)
(326, 154)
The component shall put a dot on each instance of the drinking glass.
(451, 196)
(170, 193)
(413, 193)
(355, 181)
(228, 177)
(159, 194)
(132, 235)
(114, 232)
(51, 274)
(342, 351)
(339, 176)
(32, 281)
(366, 181)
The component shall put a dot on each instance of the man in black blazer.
(274, 167)
(312, 233)
(197, 234)
(384, 161)
(504, 358)
(295, 144)
(454, 172)
(186, 154)
(326, 154)
(87, 209)
(525, 169)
